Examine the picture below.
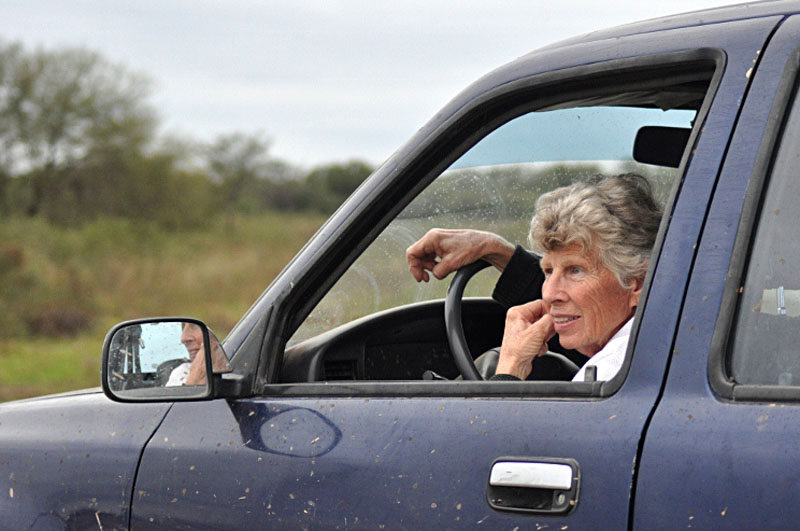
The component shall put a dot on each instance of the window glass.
(494, 187)
(766, 343)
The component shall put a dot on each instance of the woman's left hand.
(528, 328)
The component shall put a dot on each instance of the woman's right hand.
(197, 370)
(528, 329)
(442, 251)
(219, 363)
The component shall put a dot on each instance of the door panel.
(709, 460)
(371, 462)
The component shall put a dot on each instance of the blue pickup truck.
(336, 402)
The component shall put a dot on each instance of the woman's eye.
(575, 270)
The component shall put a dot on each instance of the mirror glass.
(151, 359)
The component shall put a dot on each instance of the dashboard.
(396, 344)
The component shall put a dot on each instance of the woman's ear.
(636, 291)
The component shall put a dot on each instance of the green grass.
(39, 366)
(113, 270)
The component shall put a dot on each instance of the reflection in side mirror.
(161, 359)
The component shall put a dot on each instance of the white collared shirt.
(179, 374)
(609, 359)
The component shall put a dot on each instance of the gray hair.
(615, 217)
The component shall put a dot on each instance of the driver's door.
(361, 444)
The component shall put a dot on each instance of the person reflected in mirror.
(193, 370)
(594, 239)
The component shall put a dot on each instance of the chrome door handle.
(531, 474)
(541, 485)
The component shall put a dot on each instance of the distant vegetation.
(102, 219)
(79, 150)
(62, 288)
(78, 142)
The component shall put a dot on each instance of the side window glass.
(494, 187)
(766, 344)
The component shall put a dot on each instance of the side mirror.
(164, 359)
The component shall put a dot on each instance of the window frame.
(502, 103)
(786, 101)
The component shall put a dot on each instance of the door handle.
(540, 485)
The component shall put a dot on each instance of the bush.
(58, 322)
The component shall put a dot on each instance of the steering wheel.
(453, 323)
(455, 328)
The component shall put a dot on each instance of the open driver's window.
(492, 186)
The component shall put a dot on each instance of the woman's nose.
(552, 289)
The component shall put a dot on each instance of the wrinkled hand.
(442, 251)
(197, 370)
(219, 361)
(528, 328)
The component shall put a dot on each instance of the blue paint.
(407, 463)
(722, 464)
(69, 462)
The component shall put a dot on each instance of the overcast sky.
(326, 81)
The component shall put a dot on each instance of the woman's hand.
(219, 363)
(197, 370)
(442, 251)
(528, 328)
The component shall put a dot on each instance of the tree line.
(79, 141)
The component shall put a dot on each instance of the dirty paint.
(93, 487)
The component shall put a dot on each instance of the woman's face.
(192, 339)
(586, 301)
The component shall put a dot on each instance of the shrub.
(58, 322)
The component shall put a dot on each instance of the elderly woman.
(594, 239)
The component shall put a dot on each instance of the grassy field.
(63, 288)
